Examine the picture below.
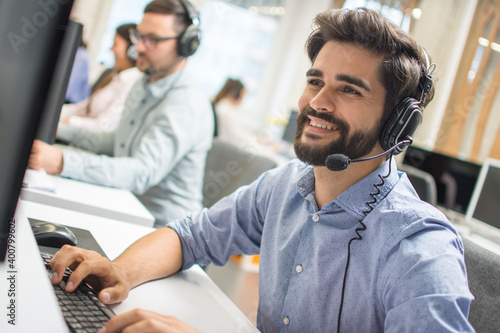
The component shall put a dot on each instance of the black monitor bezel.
(28, 54)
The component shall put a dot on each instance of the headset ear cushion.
(402, 124)
(188, 41)
(132, 52)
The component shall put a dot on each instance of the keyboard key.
(82, 309)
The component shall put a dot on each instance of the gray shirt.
(158, 150)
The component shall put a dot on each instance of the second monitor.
(69, 38)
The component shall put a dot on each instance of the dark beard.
(357, 145)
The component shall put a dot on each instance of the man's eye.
(349, 90)
(314, 82)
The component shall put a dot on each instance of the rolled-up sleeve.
(232, 226)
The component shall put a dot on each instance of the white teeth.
(315, 124)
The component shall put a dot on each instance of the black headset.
(402, 124)
(189, 40)
(407, 116)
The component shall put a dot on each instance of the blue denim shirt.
(158, 150)
(406, 274)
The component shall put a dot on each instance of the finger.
(34, 146)
(68, 256)
(126, 319)
(149, 325)
(63, 258)
(37, 146)
(115, 294)
(154, 322)
(143, 321)
(99, 267)
(33, 159)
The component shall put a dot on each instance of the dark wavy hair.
(404, 61)
(171, 7)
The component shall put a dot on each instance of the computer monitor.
(29, 49)
(291, 127)
(485, 203)
(69, 36)
(455, 178)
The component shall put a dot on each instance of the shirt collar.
(159, 88)
(354, 200)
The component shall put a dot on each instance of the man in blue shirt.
(351, 250)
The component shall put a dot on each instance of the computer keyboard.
(82, 309)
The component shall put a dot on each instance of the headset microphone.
(339, 162)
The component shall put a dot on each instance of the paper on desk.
(39, 180)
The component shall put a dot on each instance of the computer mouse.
(53, 234)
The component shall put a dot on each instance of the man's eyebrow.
(340, 77)
(353, 80)
(314, 72)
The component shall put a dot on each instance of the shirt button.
(299, 268)
(122, 145)
(315, 217)
(286, 321)
(132, 122)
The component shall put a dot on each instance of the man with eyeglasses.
(159, 149)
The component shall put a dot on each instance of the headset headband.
(191, 12)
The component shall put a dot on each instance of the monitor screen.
(289, 133)
(28, 54)
(485, 202)
(70, 38)
(455, 178)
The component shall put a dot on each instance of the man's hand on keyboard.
(108, 277)
(95, 269)
(145, 321)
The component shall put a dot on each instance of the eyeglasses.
(149, 41)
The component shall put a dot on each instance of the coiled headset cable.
(358, 236)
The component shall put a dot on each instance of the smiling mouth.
(314, 124)
(317, 123)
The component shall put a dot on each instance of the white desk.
(113, 203)
(190, 295)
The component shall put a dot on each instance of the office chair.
(483, 270)
(229, 167)
(423, 182)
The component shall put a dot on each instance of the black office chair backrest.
(229, 167)
(423, 182)
(483, 270)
